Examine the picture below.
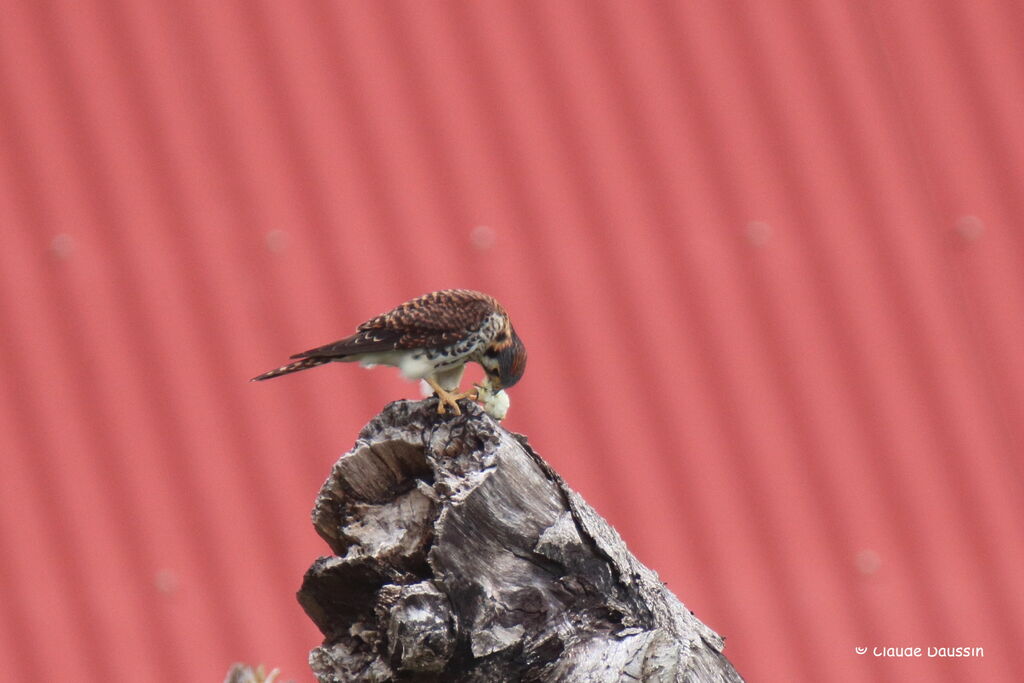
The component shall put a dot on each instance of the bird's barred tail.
(303, 364)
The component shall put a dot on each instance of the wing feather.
(431, 321)
(364, 341)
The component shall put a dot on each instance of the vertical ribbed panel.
(767, 258)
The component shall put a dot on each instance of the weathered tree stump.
(460, 555)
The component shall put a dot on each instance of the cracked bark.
(460, 555)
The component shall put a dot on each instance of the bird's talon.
(448, 398)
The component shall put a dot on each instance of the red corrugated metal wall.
(767, 258)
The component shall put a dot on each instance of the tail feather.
(303, 364)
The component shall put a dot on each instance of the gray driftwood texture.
(460, 555)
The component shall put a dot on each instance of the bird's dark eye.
(502, 336)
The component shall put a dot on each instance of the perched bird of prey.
(432, 337)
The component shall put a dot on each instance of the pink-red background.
(767, 258)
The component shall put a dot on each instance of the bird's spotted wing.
(434, 320)
(364, 341)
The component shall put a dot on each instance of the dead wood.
(460, 555)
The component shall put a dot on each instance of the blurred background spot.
(868, 561)
(970, 228)
(166, 581)
(277, 240)
(758, 233)
(62, 246)
(483, 237)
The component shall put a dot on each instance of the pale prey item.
(495, 403)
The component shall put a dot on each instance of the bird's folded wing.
(365, 341)
(410, 327)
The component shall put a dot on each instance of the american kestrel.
(432, 337)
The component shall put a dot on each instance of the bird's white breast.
(413, 364)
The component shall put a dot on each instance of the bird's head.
(504, 360)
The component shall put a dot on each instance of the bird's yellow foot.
(450, 398)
